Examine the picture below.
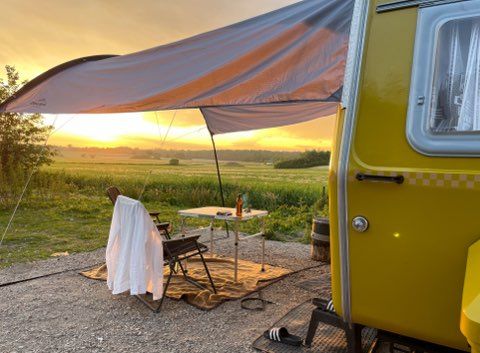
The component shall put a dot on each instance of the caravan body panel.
(407, 269)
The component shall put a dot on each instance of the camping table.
(210, 213)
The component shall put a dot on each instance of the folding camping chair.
(163, 227)
(174, 252)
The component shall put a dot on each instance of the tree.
(174, 161)
(22, 136)
(308, 159)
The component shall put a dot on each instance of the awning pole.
(219, 176)
(218, 170)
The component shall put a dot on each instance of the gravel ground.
(69, 313)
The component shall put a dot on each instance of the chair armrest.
(320, 302)
(154, 213)
(163, 225)
(188, 238)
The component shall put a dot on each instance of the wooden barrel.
(320, 240)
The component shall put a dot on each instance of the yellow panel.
(470, 319)
(332, 193)
(407, 270)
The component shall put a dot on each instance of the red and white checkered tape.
(442, 180)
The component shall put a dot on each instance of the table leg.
(211, 238)
(235, 270)
(263, 244)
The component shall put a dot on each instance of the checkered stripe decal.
(442, 180)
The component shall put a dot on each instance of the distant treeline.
(258, 156)
(97, 150)
(307, 159)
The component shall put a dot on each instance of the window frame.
(419, 135)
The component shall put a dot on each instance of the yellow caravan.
(405, 176)
(405, 170)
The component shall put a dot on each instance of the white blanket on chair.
(134, 251)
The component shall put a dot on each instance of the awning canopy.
(281, 68)
(221, 120)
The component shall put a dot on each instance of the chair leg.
(354, 338)
(157, 310)
(312, 328)
(187, 278)
(184, 272)
(167, 234)
(207, 271)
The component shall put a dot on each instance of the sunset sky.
(37, 35)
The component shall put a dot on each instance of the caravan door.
(414, 171)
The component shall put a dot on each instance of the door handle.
(398, 179)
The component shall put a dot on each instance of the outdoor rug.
(328, 339)
(250, 279)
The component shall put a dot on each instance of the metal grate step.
(328, 339)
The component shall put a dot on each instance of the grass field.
(66, 208)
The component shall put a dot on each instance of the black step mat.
(328, 339)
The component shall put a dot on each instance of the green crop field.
(66, 208)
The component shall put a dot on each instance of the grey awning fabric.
(221, 120)
(295, 54)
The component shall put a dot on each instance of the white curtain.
(455, 93)
(450, 73)
(469, 117)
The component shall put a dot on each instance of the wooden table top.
(212, 213)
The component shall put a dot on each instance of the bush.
(307, 160)
(233, 164)
(174, 161)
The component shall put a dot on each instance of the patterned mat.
(250, 279)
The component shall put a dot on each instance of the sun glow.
(103, 129)
(109, 130)
(187, 131)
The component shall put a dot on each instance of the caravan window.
(455, 101)
(444, 107)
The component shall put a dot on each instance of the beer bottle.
(239, 205)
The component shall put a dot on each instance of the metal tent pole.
(219, 176)
(218, 170)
